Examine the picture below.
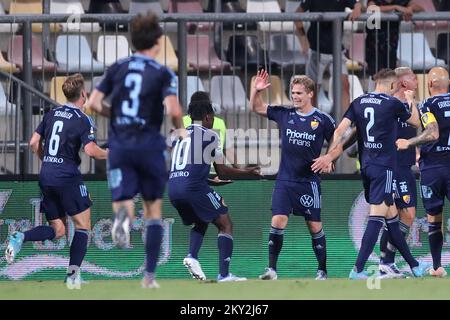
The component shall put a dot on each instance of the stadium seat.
(56, 92)
(234, 7)
(72, 7)
(137, 6)
(229, 93)
(355, 88)
(7, 27)
(414, 52)
(443, 46)
(74, 55)
(6, 107)
(429, 7)
(112, 48)
(291, 6)
(202, 56)
(245, 51)
(7, 66)
(269, 6)
(38, 61)
(356, 50)
(29, 8)
(166, 56)
(275, 94)
(194, 83)
(189, 6)
(286, 51)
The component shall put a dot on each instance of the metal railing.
(182, 25)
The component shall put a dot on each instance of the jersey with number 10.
(437, 153)
(137, 86)
(376, 117)
(64, 130)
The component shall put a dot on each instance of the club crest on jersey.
(314, 124)
(407, 198)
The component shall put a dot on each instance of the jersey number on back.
(53, 145)
(133, 81)
(179, 162)
(370, 114)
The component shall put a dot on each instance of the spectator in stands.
(323, 45)
(219, 125)
(381, 44)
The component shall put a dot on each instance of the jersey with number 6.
(436, 154)
(64, 130)
(137, 86)
(376, 116)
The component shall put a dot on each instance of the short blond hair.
(307, 82)
(73, 86)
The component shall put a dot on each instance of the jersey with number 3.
(137, 86)
(64, 130)
(376, 116)
(436, 154)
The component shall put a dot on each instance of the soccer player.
(65, 130)
(139, 86)
(376, 115)
(405, 194)
(434, 160)
(196, 202)
(297, 189)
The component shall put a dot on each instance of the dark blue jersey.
(137, 86)
(302, 137)
(64, 130)
(192, 158)
(376, 117)
(436, 154)
(406, 131)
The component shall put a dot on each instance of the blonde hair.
(73, 86)
(307, 82)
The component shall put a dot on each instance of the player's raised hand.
(322, 164)
(410, 95)
(402, 144)
(261, 80)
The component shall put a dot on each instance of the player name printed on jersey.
(443, 104)
(63, 114)
(300, 138)
(371, 100)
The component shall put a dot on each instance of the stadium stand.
(286, 51)
(167, 55)
(39, 62)
(72, 7)
(202, 56)
(229, 93)
(112, 48)
(74, 55)
(423, 59)
(56, 92)
(245, 51)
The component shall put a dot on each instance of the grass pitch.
(286, 289)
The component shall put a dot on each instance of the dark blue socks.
(40, 233)
(275, 245)
(368, 241)
(398, 240)
(153, 243)
(436, 239)
(320, 249)
(225, 244)
(197, 234)
(78, 247)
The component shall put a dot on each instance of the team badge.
(406, 198)
(314, 124)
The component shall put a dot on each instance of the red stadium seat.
(202, 56)
(38, 60)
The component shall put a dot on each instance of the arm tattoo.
(427, 135)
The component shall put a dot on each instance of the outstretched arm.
(97, 104)
(256, 102)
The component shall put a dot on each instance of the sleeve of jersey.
(217, 154)
(275, 113)
(88, 131)
(403, 112)
(350, 113)
(106, 85)
(170, 84)
(41, 127)
(330, 126)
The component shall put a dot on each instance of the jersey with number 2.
(376, 116)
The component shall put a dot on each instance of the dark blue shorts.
(59, 201)
(136, 171)
(377, 181)
(434, 187)
(405, 193)
(298, 198)
(200, 206)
